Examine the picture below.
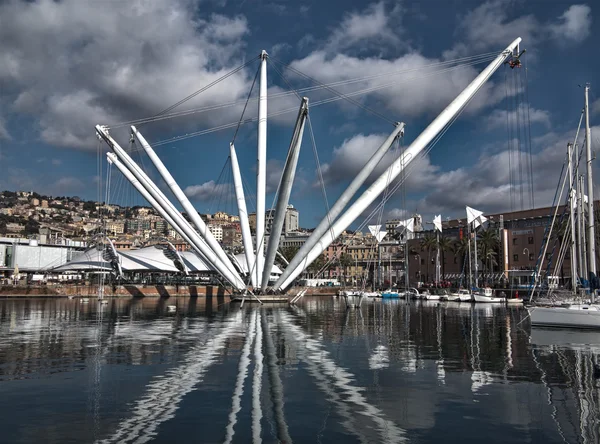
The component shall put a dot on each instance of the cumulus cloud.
(488, 26)
(4, 134)
(208, 191)
(74, 64)
(574, 24)
(499, 118)
(366, 28)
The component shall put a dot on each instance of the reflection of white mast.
(239, 383)
(479, 378)
(341, 378)
(441, 372)
(164, 394)
(257, 384)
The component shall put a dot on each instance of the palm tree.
(461, 248)
(445, 244)
(489, 247)
(428, 243)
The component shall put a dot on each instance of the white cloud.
(4, 134)
(488, 26)
(574, 24)
(370, 26)
(73, 64)
(208, 191)
(500, 117)
(595, 107)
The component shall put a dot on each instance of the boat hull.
(390, 295)
(488, 299)
(564, 317)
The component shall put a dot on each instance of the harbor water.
(202, 370)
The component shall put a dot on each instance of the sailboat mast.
(469, 244)
(590, 185)
(572, 216)
(476, 270)
(437, 258)
(582, 240)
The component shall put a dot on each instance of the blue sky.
(66, 66)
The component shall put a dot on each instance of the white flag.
(377, 232)
(409, 224)
(437, 222)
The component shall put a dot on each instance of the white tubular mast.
(590, 189)
(300, 258)
(285, 189)
(112, 158)
(411, 153)
(243, 213)
(165, 205)
(184, 201)
(572, 196)
(261, 170)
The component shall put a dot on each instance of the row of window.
(516, 240)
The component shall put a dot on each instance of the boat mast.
(590, 185)
(581, 212)
(469, 244)
(476, 268)
(261, 170)
(572, 217)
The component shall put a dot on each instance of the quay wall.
(165, 291)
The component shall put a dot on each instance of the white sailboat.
(573, 315)
(487, 296)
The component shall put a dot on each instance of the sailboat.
(584, 314)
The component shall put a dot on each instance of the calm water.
(132, 371)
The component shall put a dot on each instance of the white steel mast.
(112, 158)
(582, 240)
(184, 201)
(165, 205)
(338, 207)
(261, 170)
(418, 145)
(285, 189)
(572, 195)
(243, 213)
(590, 189)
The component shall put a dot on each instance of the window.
(515, 241)
(530, 240)
(515, 258)
(531, 257)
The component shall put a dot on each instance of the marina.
(389, 371)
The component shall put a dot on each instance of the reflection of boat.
(171, 308)
(573, 316)
(487, 296)
(574, 339)
(85, 300)
(462, 296)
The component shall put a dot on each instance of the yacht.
(571, 315)
(487, 296)
(462, 295)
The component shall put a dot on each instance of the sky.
(68, 65)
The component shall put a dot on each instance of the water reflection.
(131, 371)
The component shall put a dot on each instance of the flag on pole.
(437, 222)
(377, 232)
(475, 217)
(409, 224)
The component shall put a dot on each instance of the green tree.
(445, 244)
(345, 261)
(460, 249)
(488, 246)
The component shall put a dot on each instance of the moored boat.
(571, 316)
(487, 296)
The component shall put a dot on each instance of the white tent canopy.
(148, 259)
